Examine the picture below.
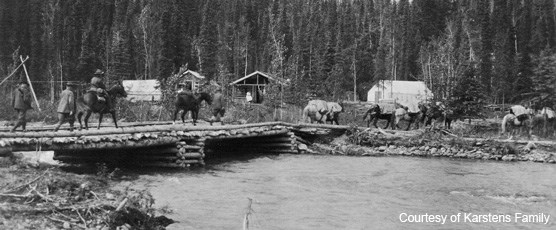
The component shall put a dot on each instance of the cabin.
(142, 90)
(407, 93)
(191, 79)
(253, 83)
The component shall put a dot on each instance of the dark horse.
(91, 104)
(436, 113)
(190, 102)
(375, 114)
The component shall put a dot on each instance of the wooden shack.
(191, 79)
(254, 83)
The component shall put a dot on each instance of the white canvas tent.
(407, 93)
(142, 90)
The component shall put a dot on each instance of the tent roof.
(142, 89)
(406, 87)
(253, 74)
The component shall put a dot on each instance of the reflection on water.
(335, 192)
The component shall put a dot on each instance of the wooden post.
(30, 84)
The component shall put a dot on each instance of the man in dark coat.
(66, 107)
(217, 107)
(97, 85)
(21, 103)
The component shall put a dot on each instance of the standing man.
(217, 107)
(248, 97)
(97, 85)
(66, 107)
(21, 103)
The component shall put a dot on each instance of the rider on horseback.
(97, 86)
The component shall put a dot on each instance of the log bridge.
(165, 145)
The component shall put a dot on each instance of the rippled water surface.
(335, 192)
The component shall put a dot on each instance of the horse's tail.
(305, 114)
(504, 122)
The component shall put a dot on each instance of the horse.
(190, 102)
(548, 119)
(316, 110)
(436, 113)
(375, 114)
(523, 121)
(403, 114)
(91, 104)
(334, 113)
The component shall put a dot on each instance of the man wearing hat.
(97, 85)
(67, 107)
(21, 103)
(217, 107)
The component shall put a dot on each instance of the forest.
(469, 52)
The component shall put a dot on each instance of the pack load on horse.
(382, 111)
(316, 110)
(99, 100)
(519, 116)
(189, 101)
(404, 113)
(333, 115)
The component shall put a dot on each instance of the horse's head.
(117, 90)
(204, 96)
(341, 106)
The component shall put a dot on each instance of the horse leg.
(387, 123)
(99, 119)
(114, 118)
(183, 116)
(194, 116)
(89, 112)
(175, 115)
(79, 115)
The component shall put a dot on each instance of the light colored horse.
(547, 118)
(316, 110)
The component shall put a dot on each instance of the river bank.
(433, 144)
(37, 195)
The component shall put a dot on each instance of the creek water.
(338, 192)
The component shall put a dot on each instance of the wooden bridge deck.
(163, 144)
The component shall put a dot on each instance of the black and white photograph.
(277, 114)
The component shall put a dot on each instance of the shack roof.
(195, 74)
(262, 74)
